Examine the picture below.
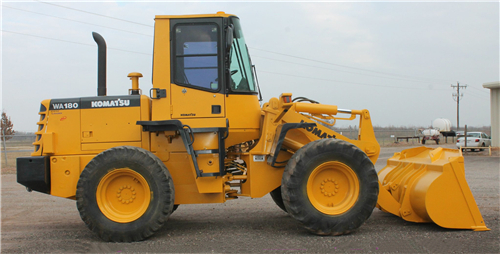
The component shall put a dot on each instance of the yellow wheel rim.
(123, 195)
(333, 188)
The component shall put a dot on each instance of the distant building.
(495, 111)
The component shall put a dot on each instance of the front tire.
(125, 194)
(330, 186)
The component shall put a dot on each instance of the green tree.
(7, 127)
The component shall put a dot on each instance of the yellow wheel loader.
(200, 135)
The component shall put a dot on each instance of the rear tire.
(330, 186)
(125, 194)
(277, 198)
(423, 141)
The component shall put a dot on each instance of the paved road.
(35, 222)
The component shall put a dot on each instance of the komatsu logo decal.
(96, 102)
(113, 103)
(319, 133)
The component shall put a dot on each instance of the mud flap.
(428, 185)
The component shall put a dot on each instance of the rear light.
(477, 140)
(458, 140)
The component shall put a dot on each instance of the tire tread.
(136, 156)
(295, 177)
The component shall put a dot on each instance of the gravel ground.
(35, 222)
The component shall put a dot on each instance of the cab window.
(196, 55)
(241, 66)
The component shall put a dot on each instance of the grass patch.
(10, 166)
(17, 145)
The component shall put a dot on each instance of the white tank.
(442, 124)
(430, 132)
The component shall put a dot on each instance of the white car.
(474, 139)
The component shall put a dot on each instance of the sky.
(396, 59)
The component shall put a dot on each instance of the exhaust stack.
(101, 64)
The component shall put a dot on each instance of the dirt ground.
(35, 222)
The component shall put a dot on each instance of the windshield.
(241, 66)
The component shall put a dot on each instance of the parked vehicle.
(444, 127)
(474, 139)
(430, 134)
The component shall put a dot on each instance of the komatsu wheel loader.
(201, 136)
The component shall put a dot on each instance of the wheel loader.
(200, 135)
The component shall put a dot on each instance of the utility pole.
(457, 97)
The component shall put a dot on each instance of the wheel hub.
(126, 194)
(329, 187)
(123, 195)
(333, 188)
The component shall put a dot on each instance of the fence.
(16, 145)
(385, 137)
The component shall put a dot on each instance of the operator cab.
(210, 54)
(202, 76)
(209, 71)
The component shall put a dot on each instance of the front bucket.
(428, 185)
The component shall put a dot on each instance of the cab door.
(197, 67)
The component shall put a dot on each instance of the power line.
(480, 90)
(476, 96)
(283, 74)
(93, 13)
(302, 58)
(77, 21)
(330, 80)
(357, 73)
(346, 82)
(340, 65)
(482, 96)
(54, 39)
(74, 42)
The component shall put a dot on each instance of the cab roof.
(191, 16)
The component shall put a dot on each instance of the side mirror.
(229, 37)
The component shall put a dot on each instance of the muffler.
(101, 64)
